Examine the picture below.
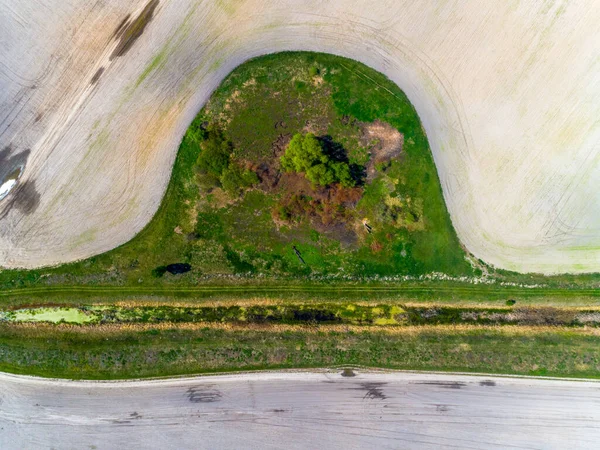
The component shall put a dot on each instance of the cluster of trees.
(216, 167)
(305, 154)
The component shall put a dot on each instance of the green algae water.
(52, 315)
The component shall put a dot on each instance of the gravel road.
(300, 410)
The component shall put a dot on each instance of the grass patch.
(116, 352)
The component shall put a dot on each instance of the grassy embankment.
(162, 350)
(240, 255)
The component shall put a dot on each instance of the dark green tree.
(215, 152)
(321, 174)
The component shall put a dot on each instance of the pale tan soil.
(384, 141)
(508, 94)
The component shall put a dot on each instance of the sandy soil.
(508, 93)
(389, 142)
(300, 411)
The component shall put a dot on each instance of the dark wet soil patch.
(14, 175)
(374, 390)
(129, 32)
(26, 197)
(119, 30)
(444, 384)
(11, 164)
(204, 394)
(97, 75)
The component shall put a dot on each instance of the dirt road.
(300, 410)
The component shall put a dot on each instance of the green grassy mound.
(231, 210)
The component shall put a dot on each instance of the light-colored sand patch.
(6, 187)
(384, 142)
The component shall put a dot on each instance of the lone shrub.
(215, 167)
(159, 271)
(215, 154)
(304, 154)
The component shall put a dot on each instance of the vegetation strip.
(147, 350)
(435, 293)
(254, 289)
(309, 314)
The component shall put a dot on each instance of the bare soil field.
(95, 98)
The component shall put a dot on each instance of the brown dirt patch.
(329, 209)
(385, 143)
(221, 199)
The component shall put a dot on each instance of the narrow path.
(301, 410)
(313, 289)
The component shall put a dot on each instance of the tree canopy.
(304, 154)
(216, 166)
(215, 153)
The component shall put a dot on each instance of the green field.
(247, 265)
